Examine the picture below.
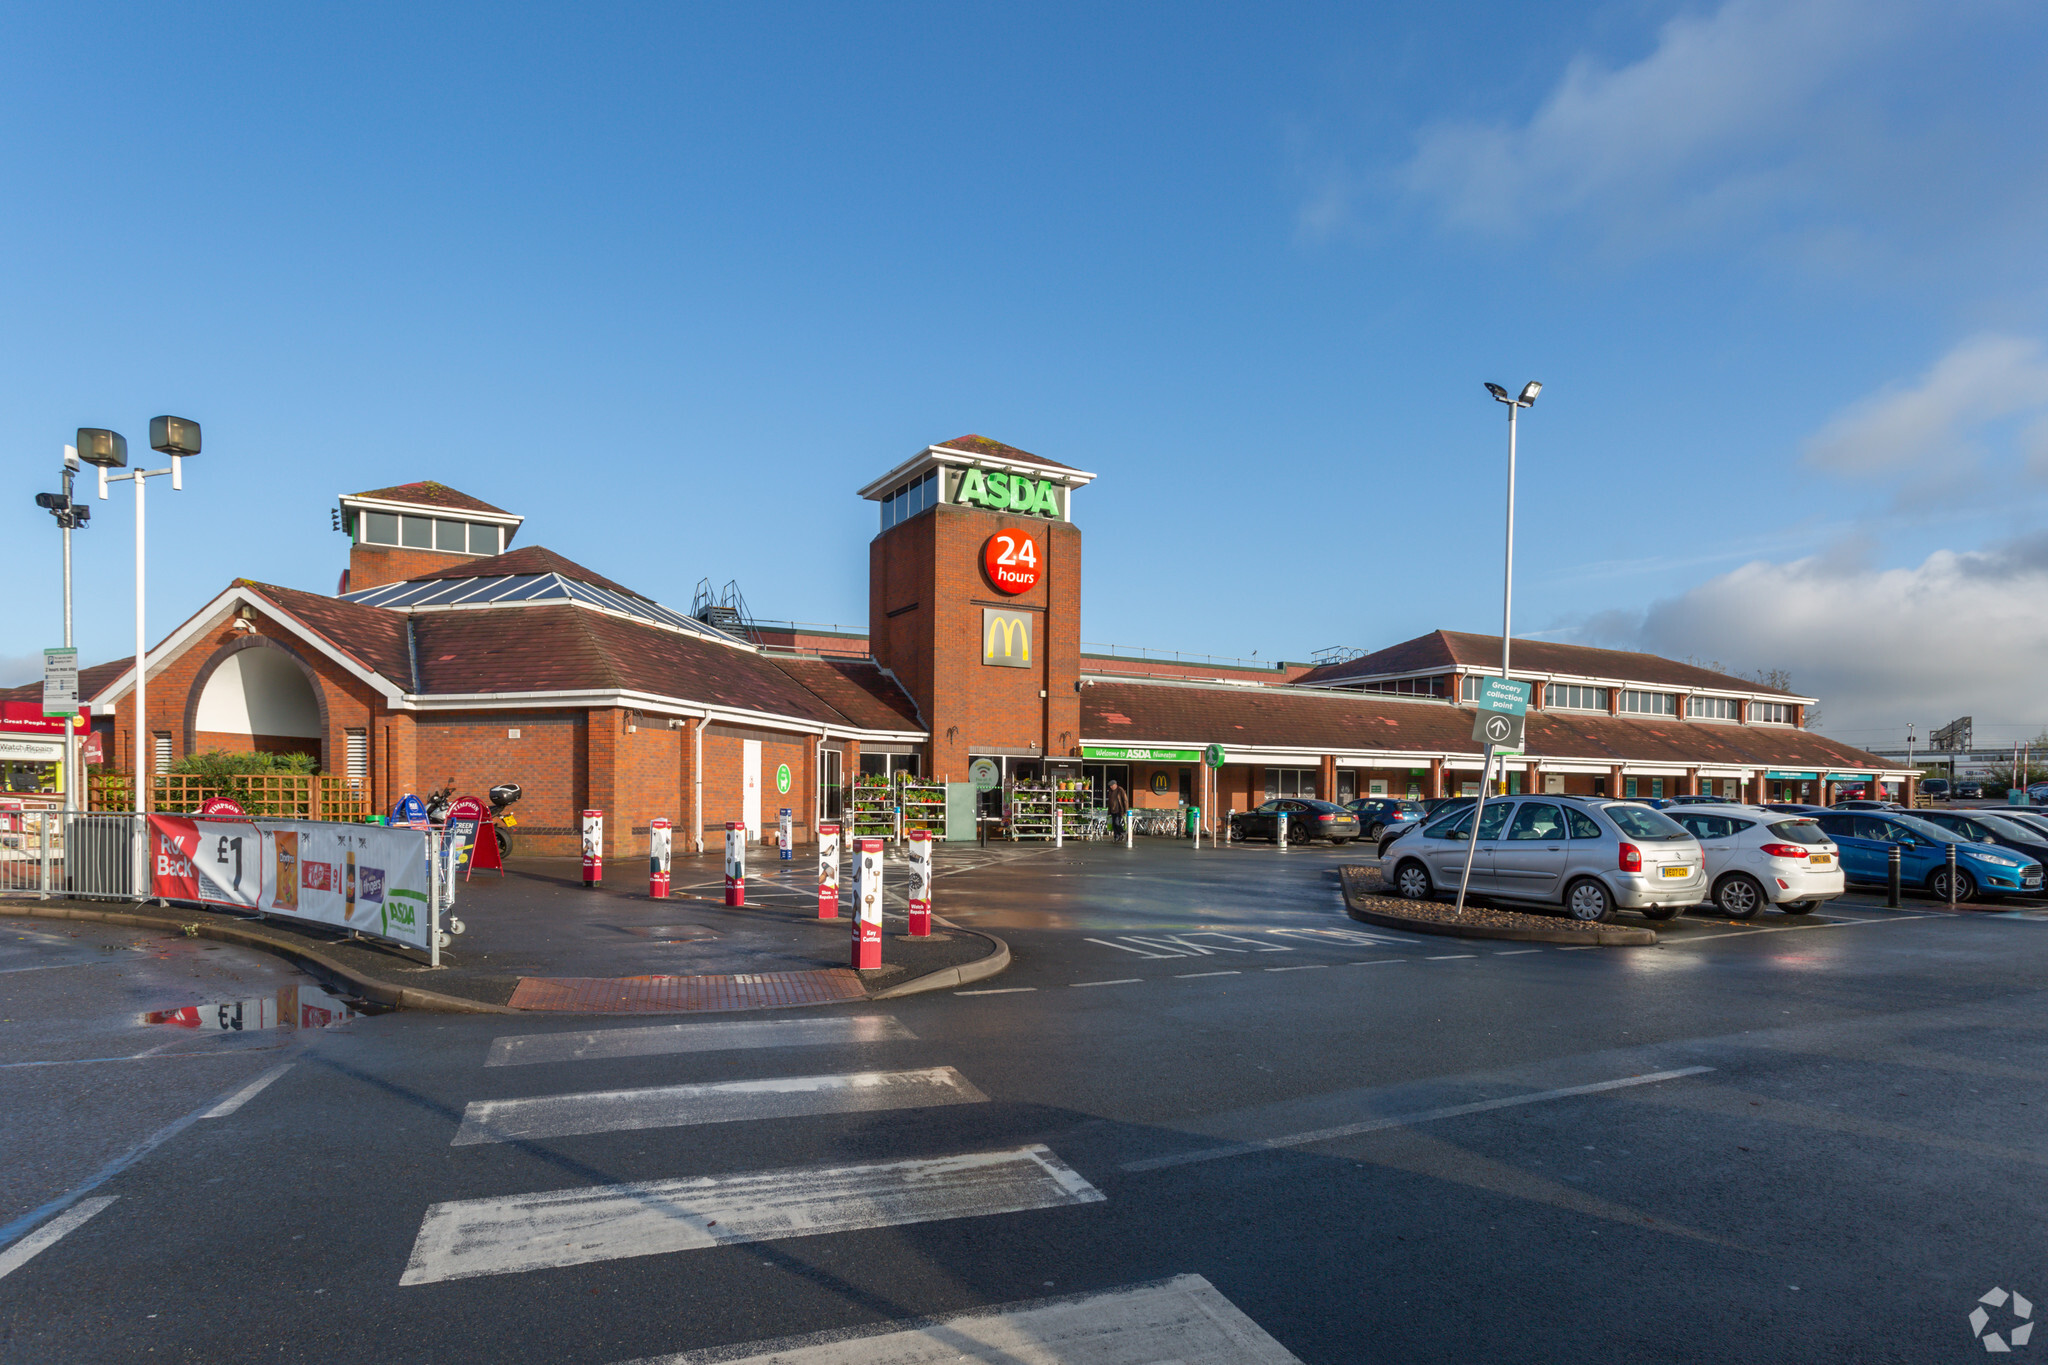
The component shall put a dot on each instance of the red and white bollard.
(828, 871)
(920, 884)
(593, 847)
(657, 858)
(867, 894)
(735, 862)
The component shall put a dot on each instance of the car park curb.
(1384, 911)
(367, 987)
(946, 978)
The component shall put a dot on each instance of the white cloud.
(1961, 633)
(1980, 381)
(1712, 113)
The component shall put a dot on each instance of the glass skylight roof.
(512, 589)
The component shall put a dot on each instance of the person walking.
(1119, 810)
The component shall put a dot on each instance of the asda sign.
(999, 492)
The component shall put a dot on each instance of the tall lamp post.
(1525, 399)
(70, 517)
(1913, 789)
(177, 438)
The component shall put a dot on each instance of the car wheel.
(1799, 907)
(1966, 885)
(1738, 896)
(1411, 882)
(1376, 831)
(1587, 900)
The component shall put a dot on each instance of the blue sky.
(674, 281)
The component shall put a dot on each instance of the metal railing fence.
(46, 853)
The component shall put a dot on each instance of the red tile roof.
(374, 637)
(1279, 718)
(431, 494)
(858, 689)
(982, 445)
(92, 681)
(1444, 649)
(524, 560)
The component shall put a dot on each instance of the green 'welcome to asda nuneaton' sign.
(1000, 492)
(1142, 755)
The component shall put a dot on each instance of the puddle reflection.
(290, 1007)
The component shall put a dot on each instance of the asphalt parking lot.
(1772, 1140)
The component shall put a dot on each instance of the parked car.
(1757, 857)
(1378, 814)
(1969, 791)
(1792, 807)
(1866, 839)
(2035, 820)
(1985, 827)
(1935, 788)
(2038, 794)
(1442, 805)
(1585, 854)
(1307, 819)
(1697, 801)
(1866, 805)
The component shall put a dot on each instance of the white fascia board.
(1651, 770)
(653, 704)
(208, 616)
(1572, 679)
(932, 456)
(417, 508)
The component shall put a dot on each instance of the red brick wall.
(932, 565)
(372, 566)
(548, 761)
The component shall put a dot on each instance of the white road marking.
(46, 1236)
(1353, 936)
(526, 1049)
(1001, 990)
(246, 1093)
(1127, 948)
(554, 1228)
(1516, 952)
(1576, 947)
(1376, 962)
(1405, 1120)
(1447, 957)
(683, 1106)
(1120, 981)
(1310, 967)
(1189, 976)
(1181, 1321)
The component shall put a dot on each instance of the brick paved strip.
(676, 994)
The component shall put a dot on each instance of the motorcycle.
(438, 801)
(502, 819)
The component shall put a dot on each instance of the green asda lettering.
(1000, 492)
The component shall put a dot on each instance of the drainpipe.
(697, 781)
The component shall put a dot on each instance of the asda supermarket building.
(453, 652)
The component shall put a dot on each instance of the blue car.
(1866, 839)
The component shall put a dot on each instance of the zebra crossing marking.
(529, 1049)
(1181, 1321)
(684, 1106)
(552, 1228)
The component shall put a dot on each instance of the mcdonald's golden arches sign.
(1006, 638)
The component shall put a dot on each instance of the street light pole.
(1525, 399)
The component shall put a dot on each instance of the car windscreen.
(1409, 807)
(1640, 822)
(2008, 829)
(1926, 829)
(1802, 832)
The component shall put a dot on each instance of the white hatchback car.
(1757, 857)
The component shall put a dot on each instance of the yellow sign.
(1005, 638)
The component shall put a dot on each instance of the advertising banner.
(867, 893)
(828, 871)
(369, 878)
(658, 836)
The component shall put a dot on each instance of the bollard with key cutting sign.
(920, 884)
(735, 862)
(593, 847)
(657, 858)
(867, 894)
(828, 871)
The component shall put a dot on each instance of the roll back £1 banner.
(369, 878)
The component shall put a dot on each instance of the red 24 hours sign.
(1011, 560)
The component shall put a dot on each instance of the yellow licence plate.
(1678, 871)
(1820, 859)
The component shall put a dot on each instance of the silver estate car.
(1587, 854)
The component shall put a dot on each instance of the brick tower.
(986, 642)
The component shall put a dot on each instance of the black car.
(1989, 827)
(1379, 815)
(1969, 791)
(1306, 819)
(1935, 787)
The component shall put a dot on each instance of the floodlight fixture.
(174, 435)
(1529, 392)
(107, 449)
(1498, 392)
